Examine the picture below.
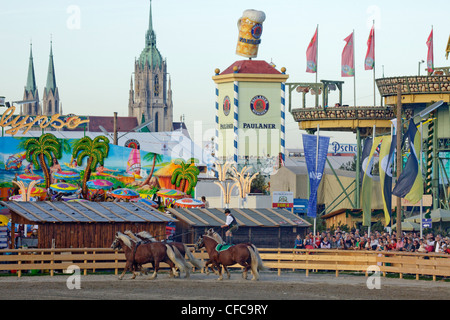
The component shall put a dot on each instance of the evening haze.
(95, 44)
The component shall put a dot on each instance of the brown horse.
(182, 248)
(245, 254)
(140, 254)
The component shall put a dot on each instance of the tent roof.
(436, 215)
(201, 217)
(73, 212)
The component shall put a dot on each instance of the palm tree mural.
(155, 158)
(38, 150)
(187, 172)
(96, 151)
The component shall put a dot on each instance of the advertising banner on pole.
(315, 157)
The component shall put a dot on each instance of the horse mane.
(132, 236)
(146, 235)
(215, 236)
(125, 239)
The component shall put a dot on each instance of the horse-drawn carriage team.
(142, 248)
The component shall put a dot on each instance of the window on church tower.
(156, 86)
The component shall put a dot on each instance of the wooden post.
(115, 128)
(399, 156)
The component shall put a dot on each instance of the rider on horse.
(231, 225)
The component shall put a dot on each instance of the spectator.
(298, 244)
(325, 244)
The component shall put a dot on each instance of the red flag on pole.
(311, 55)
(347, 65)
(369, 63)
(430, 59)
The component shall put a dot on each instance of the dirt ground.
(288, 286)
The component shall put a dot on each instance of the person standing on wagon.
(231, 225)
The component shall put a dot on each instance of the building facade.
(150, 95)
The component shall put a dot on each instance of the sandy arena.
(288, 286)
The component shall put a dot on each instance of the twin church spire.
(50, 103)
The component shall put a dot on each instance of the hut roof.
(246, 217)
(73, 212)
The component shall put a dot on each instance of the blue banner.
(315, 173)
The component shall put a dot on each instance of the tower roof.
(252, 66)
(150, 54)
(51, 79)
(31, 79)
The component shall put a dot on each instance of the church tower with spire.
(151, 95)
(51, 103)
(31, 91)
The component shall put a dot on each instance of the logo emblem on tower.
(226, 106)
(259, 105)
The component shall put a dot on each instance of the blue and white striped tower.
(283, 119)
(236, 121)
(216, 140)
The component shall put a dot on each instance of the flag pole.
(317, 169)
(317, 65)
(399, 156)
(354, 71)
(373, 143)
(374, 91)
(420, 172)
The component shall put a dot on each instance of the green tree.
(187, 172)
(46, 147)
(96, 151)
(155, 158)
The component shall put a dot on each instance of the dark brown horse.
(140, 254)
(181, 247)
(245, 254)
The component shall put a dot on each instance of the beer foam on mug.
(254, 15)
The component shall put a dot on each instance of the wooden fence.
(101, 259)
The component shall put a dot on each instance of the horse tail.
(261, 265)
(254, 262)
(195, 262)
(172, 254)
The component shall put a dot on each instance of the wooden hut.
(266, 228)
(86, 224)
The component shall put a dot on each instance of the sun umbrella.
(189, 203)
(37, 192)
(124, 193)
(3, 220)
(18, 197)
(99, 184)
(66, 175)
(170, 193)
(146, 201)
(27, 178)
(408, 226)
(64, 187)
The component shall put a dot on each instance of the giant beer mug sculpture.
(250, 30)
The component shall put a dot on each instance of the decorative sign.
(259, 105)
(342, 149)
(132, 143)
(257, 31)
(426, 223)
(250, 30)
(301, 205)
(27, 122)
(282, 199)
(226, 106)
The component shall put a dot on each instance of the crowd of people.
(377, 241)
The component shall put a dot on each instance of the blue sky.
(95, 44)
